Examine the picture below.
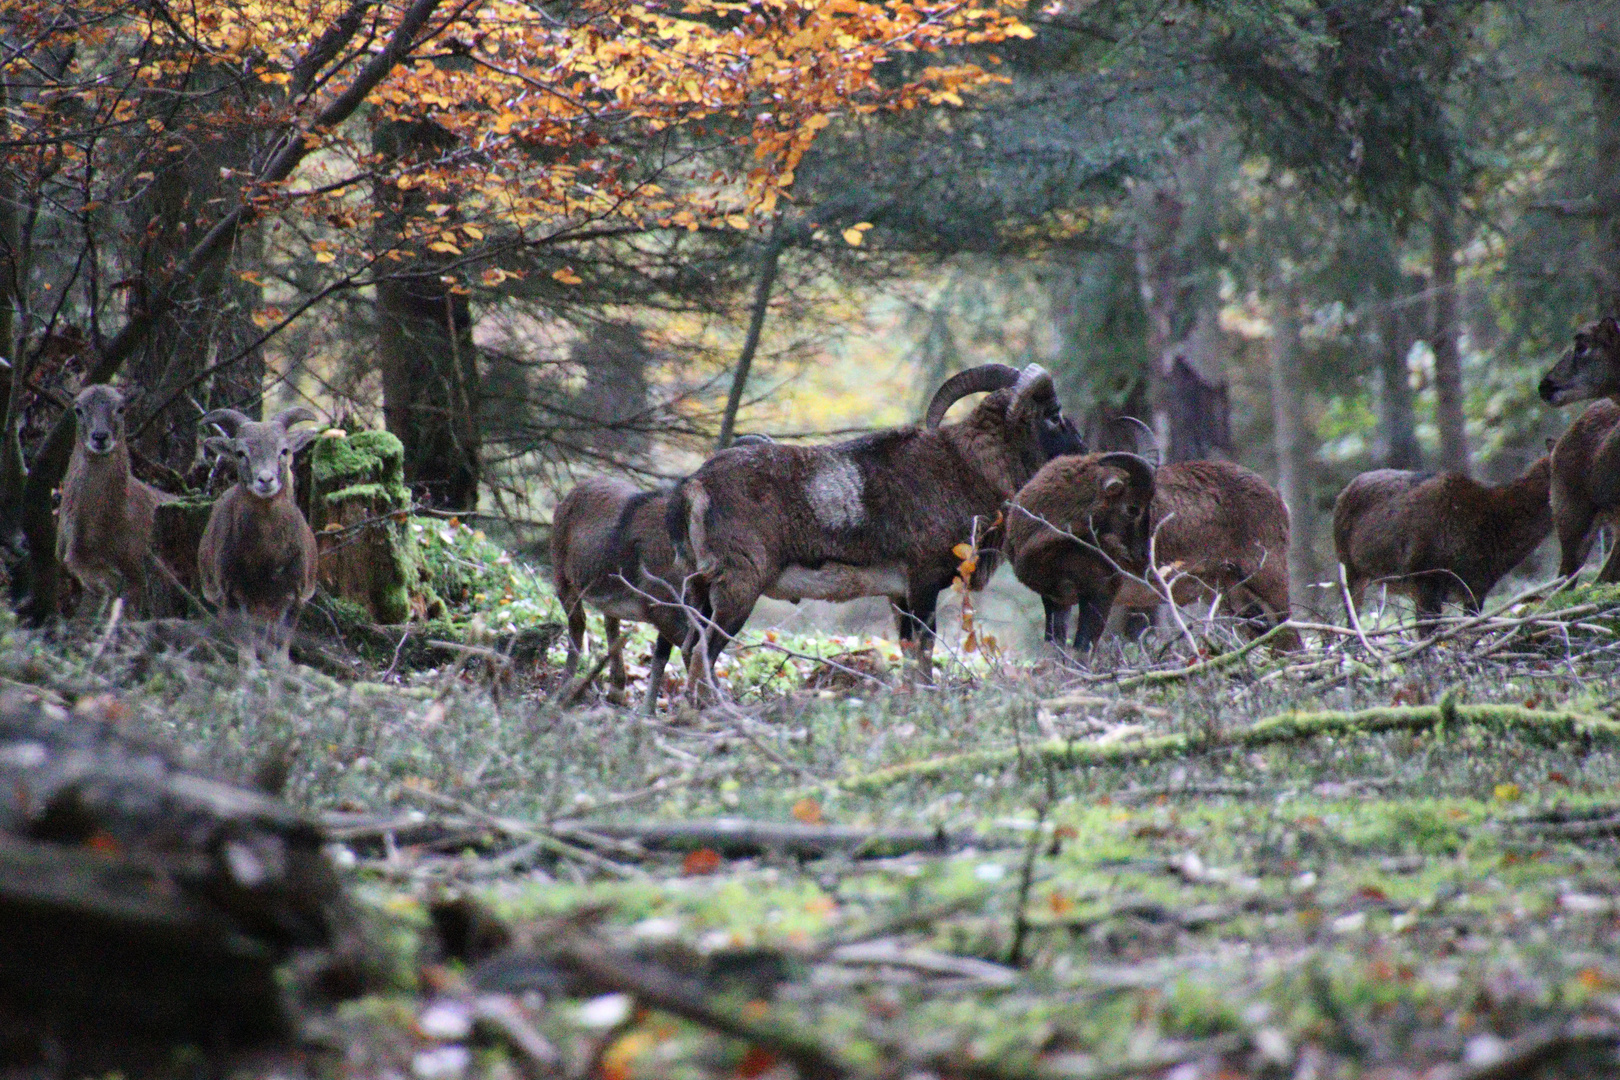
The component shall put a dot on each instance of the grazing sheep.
(1434, 537)
(104, 536)
(873, 516)
(1219, 529)
(605, 534)
(1585, 489)
(1073, 529)
(257, 555)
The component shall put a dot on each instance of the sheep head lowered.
(873, 516)
(262, 452)
(257, 554)
(1074, 530)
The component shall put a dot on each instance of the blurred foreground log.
(148, 907)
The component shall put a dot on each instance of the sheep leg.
(1057, 620)
(576, 634)
(1574, 523)
(921, 606)
(1269, 587)
(1089, 623)
(616, 673)
(655, 675)
(1611, 565)
(1430, 597)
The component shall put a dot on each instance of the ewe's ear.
(301, 438)
(220, 445)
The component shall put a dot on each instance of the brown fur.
(1585, 487)
(1073, 530)
(605, 533)
(257, 557)
(875, 516)
(104, 536)
(1434, 537)
(1225, 530)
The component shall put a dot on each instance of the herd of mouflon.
(1106, 537)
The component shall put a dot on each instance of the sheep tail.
(686, 520)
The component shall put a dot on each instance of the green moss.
(359, 491)
(364, 458)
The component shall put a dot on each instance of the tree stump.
(176, 533)
(360, 513)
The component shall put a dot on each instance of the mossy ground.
(1337, 906)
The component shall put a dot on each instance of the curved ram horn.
(227, 419)
(971, 381)
(288, 417)
(1137, 468)
(1153, 438)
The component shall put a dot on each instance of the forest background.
(542, 240)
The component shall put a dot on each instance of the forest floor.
(1379, 856)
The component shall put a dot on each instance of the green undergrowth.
(1260, 885)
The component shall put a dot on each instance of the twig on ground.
(1214, 663)
(657, 989)
(739, 837)
(525, 831)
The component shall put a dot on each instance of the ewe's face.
(263, 459)
(99, 412)
(1589, 368)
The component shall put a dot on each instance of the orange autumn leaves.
(605, 113)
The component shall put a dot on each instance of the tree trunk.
(768, 260)
(199, 351)
(1604, 193)
(1397, 324)
(1295, 446)
(431, 387)
(1191, 414)
(1448, 388)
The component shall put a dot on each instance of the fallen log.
(147, 906)
(1550, 725)
(738, 837)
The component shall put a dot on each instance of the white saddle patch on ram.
(835, 494)
(838, 582)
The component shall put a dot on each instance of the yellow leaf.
(971, 644)
(473, 231)
(962, 551)
(1019, 30)
(324, 257)
(567, 276)
(1506, 793)
(444, 246)
(854, 237)
(504, 122)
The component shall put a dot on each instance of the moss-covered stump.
(359, 505)
(176, 533)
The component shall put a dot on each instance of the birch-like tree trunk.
(1448, 387)
(1295, 445)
